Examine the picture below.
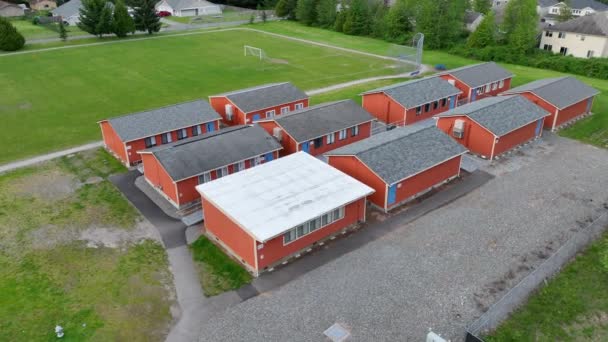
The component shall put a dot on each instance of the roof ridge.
(149, 110)
(307, 109)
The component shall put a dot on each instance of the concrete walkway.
(49, 156)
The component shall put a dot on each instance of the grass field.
(61, 262)
(52, 100)
(31, 31)
(572, 307)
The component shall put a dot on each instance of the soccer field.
(52, 99)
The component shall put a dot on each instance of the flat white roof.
(269, 199)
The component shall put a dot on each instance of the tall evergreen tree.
(106, 21)
(520, 25)
(565, 12)
(378, 13)
(340, 17)
(10, 38)
(306, 12)
(399, 21)
(485, 35)
(63, 34)
(358, 19)
(482, 6)
(123, 23)
(441, 21)
(90, 16)
(326, 13)
(145, 17)
(286, 9)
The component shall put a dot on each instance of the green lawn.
(31, 31)
(572, 307)
(217, 272)
(352, 92)
(51, 274)
(53, 99)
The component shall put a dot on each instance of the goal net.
(253, 51)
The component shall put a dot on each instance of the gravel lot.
(444, 269)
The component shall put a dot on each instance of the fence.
(518, 294)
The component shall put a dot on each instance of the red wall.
(112, 141)
(544, 105)
(384, 108)
(427, 179)
(353, 167)
(517, 137)
(460, 85)
(274, 250)
(241, 118)
(571, 112)
(289, 144)
(476, 138)
(411, 113)
(157, 176)
(218, 224)
(465, 88)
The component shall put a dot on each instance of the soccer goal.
(253, 51)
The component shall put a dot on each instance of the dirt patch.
(591, 328)
(279, 61)
(48, 185)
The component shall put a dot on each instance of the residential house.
(549, 10)
(257, 103)
(478, 81)
(320, 128)
(472, 20)
(174, 170)
(8, 9)
(70, 11)
(583, 37)
(43, 5)
(566, 98)
(411, 101)
(494, 125)
(400, 164)
(188, 8)
(125, 135)
(265, 215)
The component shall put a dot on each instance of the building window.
(270, 113)
(299, 106)
(182, 134)
(331, 138)
(589, 53)
(561, 35)
(240, 166)
(150, 141)
(253, 162)
(284, 110)
(196, 130)
(221, 172)
(342, 134)
(487, 88)
(501, 84)
(354, 131)
(548, 47)
(548, 34)
(444, 102)
(418, 110)
(563, 50)
(494, 86)
(583, 38)
(166, 138)
(204, 178)
(435, 105)
(318, 142)
(427, 107)
(312, 225)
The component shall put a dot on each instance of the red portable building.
(175, 170)
(566, 98)
(412, 101)
(125, 136)
(249, 105)
(494, 125)
(400, 164)
(478, 81)
(320, 128)
(265, 215)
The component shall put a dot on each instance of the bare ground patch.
(47, 185)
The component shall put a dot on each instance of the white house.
(472, 19)
(549, 9)
(188, 8)
(584, 37)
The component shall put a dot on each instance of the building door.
(589, 103)
(473, 95)
(210, 127)
(269, 156)
(539, 127)
(453, 101)
(256, 117)
(392, 194)
(305, 147)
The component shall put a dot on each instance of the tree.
(441, 21)
(10, 38)
(145, 17)
(340, 17)
(91, 17)
(326, 13)
(286, 9)
(63, 34)
(306, 12)
(520, 25)
(485, 35)
(565, 12)
(123, 23)
(398, 22)
(482, 6)
(358, 19)
(378, 25)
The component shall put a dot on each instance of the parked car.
(164, 14)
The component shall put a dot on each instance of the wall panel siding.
(157, 176)
(241, 118)
(544, 105)
(383, 108)
(477, 139)
(515, 138)
(112, 141)
(571, 112)
(356, 169)
(365, 131)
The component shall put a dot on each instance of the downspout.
(493, 145)
(555, 119)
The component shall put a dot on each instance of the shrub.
(10, 38)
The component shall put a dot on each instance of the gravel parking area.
(444, 269)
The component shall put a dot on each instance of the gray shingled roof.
(471, 16)
(576, 4)
(264, 96)
(594, 24)
(185, 4)
(560, 91)
(68, 9)
(417, 92)
(144, 124)
(501, 114)
(197, 155)
(403, 152)
(479, 74)
(319, 120)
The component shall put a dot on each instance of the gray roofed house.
(8, 9)
(417, 92)
(264, 96)
(500, 115)
(576, 4)
(187, 8)
(160, 120)
(472, 19)
(316, 121)
(479, 74)
(70, 11)
(594, 24)
(194, 156)
(403, 152)
(561, 92)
